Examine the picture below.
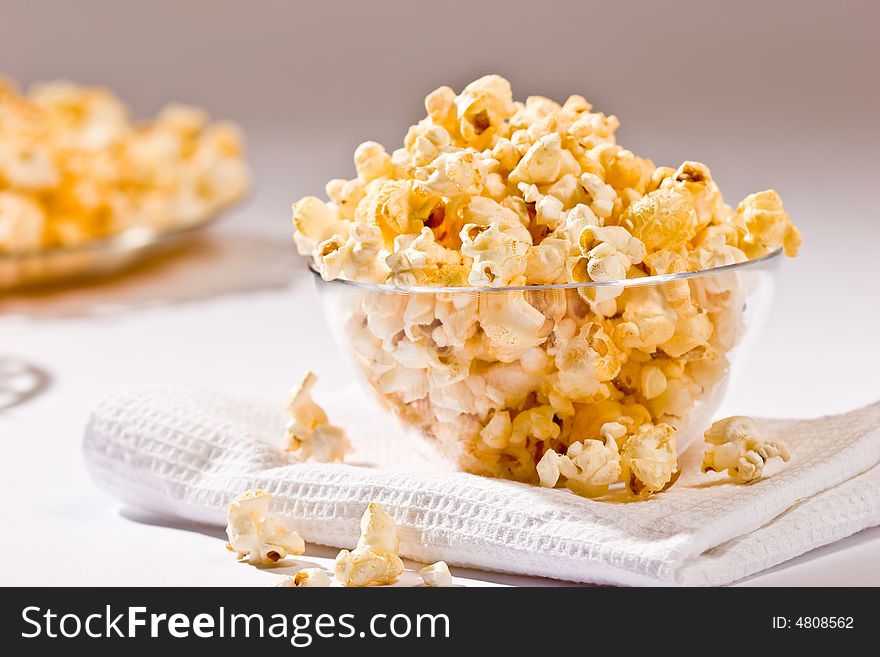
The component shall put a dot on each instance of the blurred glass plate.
(94, 258)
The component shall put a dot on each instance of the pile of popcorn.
(586, 385)
(74, 168)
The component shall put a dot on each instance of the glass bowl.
(98, 257)
(493, 377)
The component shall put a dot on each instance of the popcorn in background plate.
(257, 536)
(74, 167)
(489, 193)
(375, 560)
(307, 577)
(310, 435)
(436, 575)
(737, 446)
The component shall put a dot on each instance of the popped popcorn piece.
(257, 536)
(767, 224)
(509, 321)
(589, 466)
(499, 255)
(420, 260)
(440, 105)
(663, 219)
(307, 577)
(362, 567)
(375, 560)
(453, 173)
(359, 257)
(372, 162)
(310, 435)
(544, 162)
(315, 223)
(737, 446)
(482, 108)
(486, 192)
(610, 252)
(649, 459)
(496, 433)
(602, 196)
(436, 575)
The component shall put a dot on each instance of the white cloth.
(185, 453)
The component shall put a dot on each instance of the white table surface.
(238, 312)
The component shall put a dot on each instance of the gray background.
(769, 94)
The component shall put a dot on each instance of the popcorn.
(315, 223)
(737, 446)
(649, 459)
(544, 162)
(610, 259)
(482, 108)
(663, 219)
(653, 382)
(602, 196)
(307, 577)
(590, 466)
(436, 575)
(548, 209)
(74, 168)
(371, 162)
(22, 223)
(375, 560)
(359, 256)
(499, 258)
(509, 321)
(454, 172)
(496, 433)
(767, 224)
(585, 383)
(310, 435)
(257, 536)
(420, 260)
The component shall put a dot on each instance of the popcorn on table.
(737, 446)
(375, 560)
(436, 575)
(307, 577)
(73, 167)
(582, 386)
(257, 536)
(310, 435)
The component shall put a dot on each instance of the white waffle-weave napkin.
(185, 453)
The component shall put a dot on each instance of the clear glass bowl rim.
(757, 263)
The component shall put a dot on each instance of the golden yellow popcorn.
(736, 445)
(587, 382)
(649, 459)
(482, 109)
(22, 222)
(310, 435)
(589, 466)
(767, 225)
(375, 560)
(257, 536)
(498, 255)
(74, 168)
